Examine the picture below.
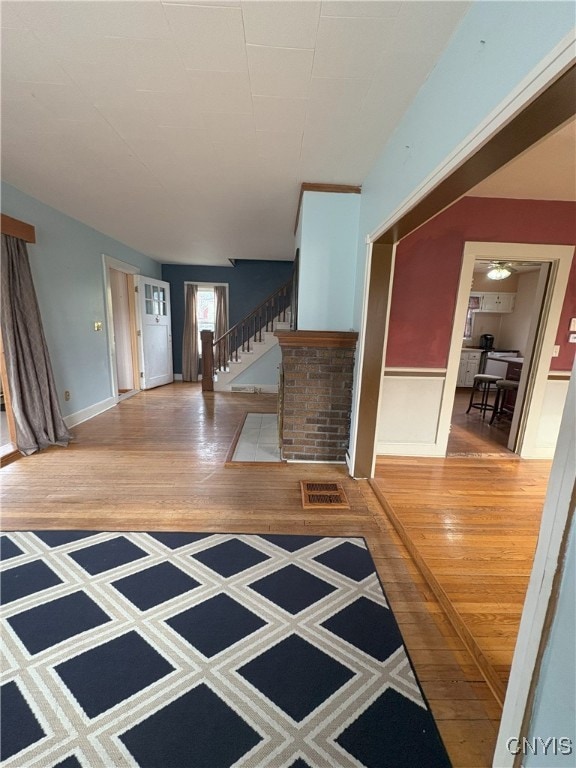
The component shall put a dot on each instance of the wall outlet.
(556, 350)
(66, 395)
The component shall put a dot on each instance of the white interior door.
(154, 332)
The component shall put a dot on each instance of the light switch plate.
(572, 324)
(556, 351)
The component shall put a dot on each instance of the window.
(155, 300)
(473, 307)
(205, 310)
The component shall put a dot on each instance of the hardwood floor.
(471, 435)
(157, 461)
(471, 524)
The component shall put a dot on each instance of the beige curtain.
(37, 417)
(190, 336)
(221, 317)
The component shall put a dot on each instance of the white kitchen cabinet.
(497, 302)
(468, 368)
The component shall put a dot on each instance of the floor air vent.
(321, 494)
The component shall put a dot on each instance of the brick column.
(316, 397)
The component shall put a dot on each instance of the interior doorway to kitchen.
(518, 318)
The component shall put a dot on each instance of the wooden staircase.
(225, 358)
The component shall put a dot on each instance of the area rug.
(189, 650)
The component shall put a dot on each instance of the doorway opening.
(497, 341)
(507, 329)
(121, 315)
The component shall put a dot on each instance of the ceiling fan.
(500, 270)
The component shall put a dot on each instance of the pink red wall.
(428, 265)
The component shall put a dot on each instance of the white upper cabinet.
(494, 302)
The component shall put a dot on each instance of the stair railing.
(242, 336)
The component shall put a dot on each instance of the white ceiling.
(184, 129)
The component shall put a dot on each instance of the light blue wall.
(328, 244)
(492, 50)
(66, 264)
(263, 372)
(554, 711)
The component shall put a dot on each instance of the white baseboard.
(178, 377)
(88, 413)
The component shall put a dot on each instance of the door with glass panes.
(154, 332)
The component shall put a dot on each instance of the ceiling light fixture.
(499, 270)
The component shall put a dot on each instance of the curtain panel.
(221, 321)
(190, 336)
(37, 416)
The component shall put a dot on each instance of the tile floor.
(258, 440)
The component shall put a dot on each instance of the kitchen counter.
(505, 367)
(506, 359)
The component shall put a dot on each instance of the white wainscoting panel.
(408, 416)
(543, 445)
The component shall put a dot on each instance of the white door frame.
(108, 262)
(561, 258)
(535, 624)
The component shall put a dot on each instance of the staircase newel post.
(207, 339)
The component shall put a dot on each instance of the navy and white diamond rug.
(189, 650)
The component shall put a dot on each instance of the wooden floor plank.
(157, 462)
(471, 522)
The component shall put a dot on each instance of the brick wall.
(316, 401)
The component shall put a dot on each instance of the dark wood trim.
(373, 358)
(326, 339)
(308, 186)
(19, 229)
(551, 109)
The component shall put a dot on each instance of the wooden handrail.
(249, 329)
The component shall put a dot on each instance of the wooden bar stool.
(482, 382)
(503, 386)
